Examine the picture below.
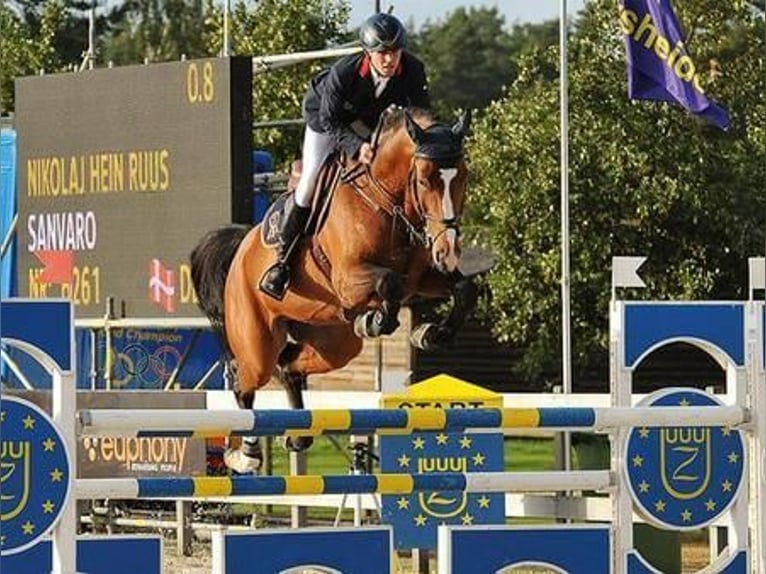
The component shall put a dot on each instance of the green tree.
(527, 36)
(161, 30)
(645, 179)
(467, 57)
(532, 37)
(271, 27)
(471, 57)
(21, 54)
(70, 40)
(39, 35)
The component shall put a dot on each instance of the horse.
(390, 235)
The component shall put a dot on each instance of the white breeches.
(316, 148)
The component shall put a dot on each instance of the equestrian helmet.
(382, 32)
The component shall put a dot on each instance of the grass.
(529, 454)
(324, 457)
(331, 457)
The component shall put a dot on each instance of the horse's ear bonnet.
(438, 142)
(460, 127)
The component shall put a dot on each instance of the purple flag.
(659, 65)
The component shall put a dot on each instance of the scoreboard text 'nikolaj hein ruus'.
(120, 171)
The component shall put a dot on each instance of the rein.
(385, 201)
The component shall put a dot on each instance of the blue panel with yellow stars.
(684, 477)
(416, 517)
(34, 474)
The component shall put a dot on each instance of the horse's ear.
(415, 131)
(460, 127)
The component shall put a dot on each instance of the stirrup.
(269, 283)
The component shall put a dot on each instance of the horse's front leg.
(377, 289)
(464, 294)
(294, 383)
(383, 320)
(248, 458)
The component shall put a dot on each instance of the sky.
(421, 10)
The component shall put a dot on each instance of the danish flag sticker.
(162, 286)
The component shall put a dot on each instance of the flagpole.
(226, 31)
(566, 339)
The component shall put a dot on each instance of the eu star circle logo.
(684, 478)
(34, 475)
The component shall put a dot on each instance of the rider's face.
(386, 61)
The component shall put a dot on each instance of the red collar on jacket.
(365, 68)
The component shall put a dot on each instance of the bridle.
(381, 197)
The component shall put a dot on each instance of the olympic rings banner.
(148, 358)
(141, 359)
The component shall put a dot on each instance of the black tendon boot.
(276, 278)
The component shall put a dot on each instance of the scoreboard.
(121, 171)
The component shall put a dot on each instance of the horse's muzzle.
(445, 250)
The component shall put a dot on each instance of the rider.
(341, 108)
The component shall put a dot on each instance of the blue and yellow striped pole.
(210, 487)
(156, 422)
(196, 423)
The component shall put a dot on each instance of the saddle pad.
(272, 221)
(326, 182)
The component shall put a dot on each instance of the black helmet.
(382, 32)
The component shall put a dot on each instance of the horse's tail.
(210, 262)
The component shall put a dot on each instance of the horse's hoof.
(298, 443)
(240, 463)
(430, 337)
(375, 323)
(389, 325)
(366, 326)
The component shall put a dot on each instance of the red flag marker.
(59, 266)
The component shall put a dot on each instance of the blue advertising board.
(331, 550)
(113, 554)
(571, 549)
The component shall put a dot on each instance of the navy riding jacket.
(345, 93)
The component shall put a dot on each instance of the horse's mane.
(392, 120)
(433, 139)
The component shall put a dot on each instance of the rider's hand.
(366, 153)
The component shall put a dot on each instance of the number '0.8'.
(200, 87)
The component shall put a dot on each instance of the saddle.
(327, 181)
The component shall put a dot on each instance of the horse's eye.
(422, 182)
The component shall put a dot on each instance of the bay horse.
(391, 234)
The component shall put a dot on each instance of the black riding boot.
(274, 281)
